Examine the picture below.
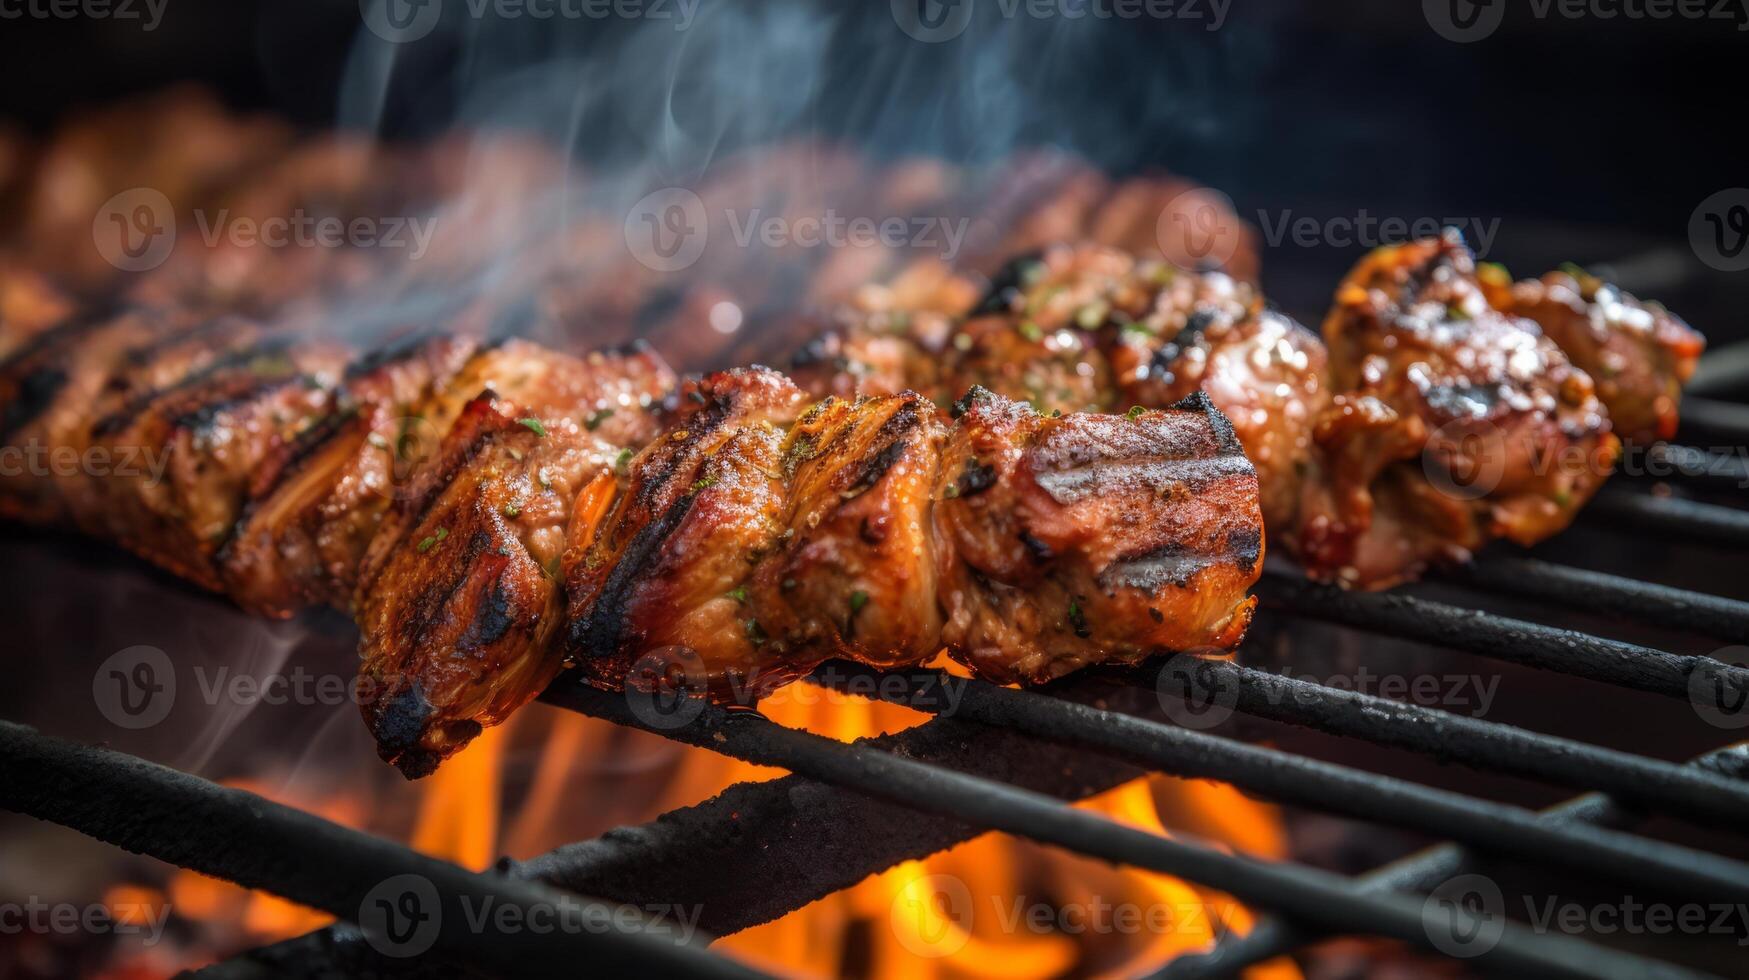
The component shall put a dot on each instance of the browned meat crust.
(462, 587)
(750, 548)
(1639, 353)
(1452, 423)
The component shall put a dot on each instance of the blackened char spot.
(976, 479)
(975, 395)
(893, 430)
(403, 349)
(815, 351)
(1190, 336)
(401, 721)
(1199, 401)
(492, 621)
(1039, 551)
(35, 394)
(597, 635)
(1009, 283)
(1169, 564)
(1245, 546)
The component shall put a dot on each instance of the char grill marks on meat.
(758, 539)
(1440, 416)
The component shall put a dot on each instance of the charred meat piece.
(1638, 353)
(50, 391)
(1451, 423)
(1081, 539)
(211, 434)
(669, 570)
(316, 504)
(462, 591)
(317, 507)
(748, 548)
(1079, 325)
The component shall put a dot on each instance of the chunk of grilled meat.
(1451, 423)
(213, 431)
(1085, 326)
(1638, 353)
(50, 390)
(461, 591)
(317, 508)
(1082, 539)
(750, 548)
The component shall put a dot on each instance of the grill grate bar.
(1608, 595)
(1701, 467)
(1715, 420)
(1418, 872)
(1306, 894)
(1502, 638)
(1652, 784)
(149, 809)
(1321, 785)
(1693, 522)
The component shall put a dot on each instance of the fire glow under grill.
(840, 816)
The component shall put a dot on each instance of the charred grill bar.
(148, 809)
(1419, 872)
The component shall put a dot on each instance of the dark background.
(1590, 139)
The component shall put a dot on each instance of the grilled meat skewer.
(763, 534)
(1437, 419)
(758, 533)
